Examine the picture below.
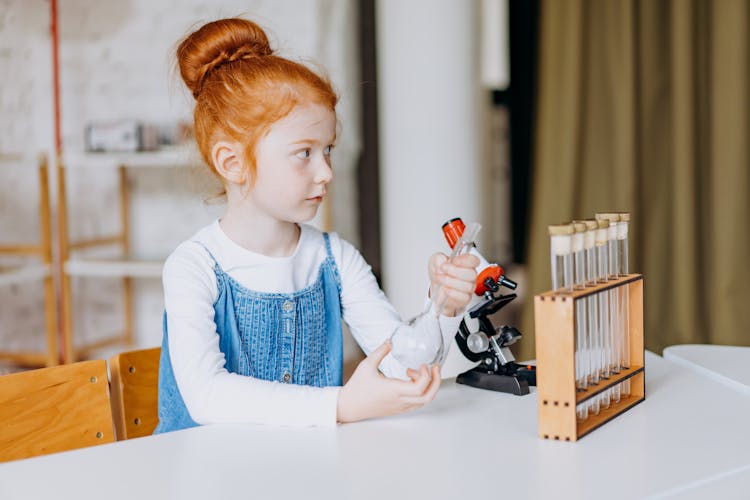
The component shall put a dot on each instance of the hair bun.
(218, 43)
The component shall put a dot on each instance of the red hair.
(240, 87)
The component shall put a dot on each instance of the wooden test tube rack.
(554, 315)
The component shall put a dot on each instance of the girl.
(254, 302)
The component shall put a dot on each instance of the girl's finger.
(449, 282)
(461, 273)
(413, 387)
(376, 356)
(436, 262)
(419, 384)
(466, 260)
(430, 391)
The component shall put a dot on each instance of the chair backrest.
(134, 385)
(54, 409)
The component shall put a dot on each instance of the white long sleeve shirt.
(214, 395)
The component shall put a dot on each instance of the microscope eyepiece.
(508, 283)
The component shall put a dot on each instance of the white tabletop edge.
(670, 354)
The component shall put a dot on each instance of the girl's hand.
(369, 394)
(452, 283)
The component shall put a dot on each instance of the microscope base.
(482, 379)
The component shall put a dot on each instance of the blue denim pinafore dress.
(285, 337)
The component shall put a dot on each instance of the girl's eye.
(304, 154)
(327, 150)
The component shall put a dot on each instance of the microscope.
(479, 340)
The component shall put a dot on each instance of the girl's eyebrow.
(311, 141)
(304, 141)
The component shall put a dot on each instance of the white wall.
(116, 61)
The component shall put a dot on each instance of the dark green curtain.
(644, 106)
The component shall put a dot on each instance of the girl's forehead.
(308, 118)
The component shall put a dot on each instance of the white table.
(728, 365)
(690, 433)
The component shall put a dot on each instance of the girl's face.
(294, 164)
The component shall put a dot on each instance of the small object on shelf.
(121, 136)
(175, 134)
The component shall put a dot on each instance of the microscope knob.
(508, 335)
(477, 342)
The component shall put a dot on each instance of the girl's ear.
(228, 161)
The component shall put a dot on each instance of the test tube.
(563, 278)
(622, 251)
(581, 346)
(602, 274)
(561, 257)
(622, 243)
(579, 256)
(592, 324)
(615, 299)
(618, 333)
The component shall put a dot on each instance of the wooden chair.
(54, 409)
(134, 384)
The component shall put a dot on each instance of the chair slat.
(54, 409)
(135, 379)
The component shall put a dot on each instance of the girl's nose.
(323, 172)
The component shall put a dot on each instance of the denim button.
(287, 377)
(287, 306)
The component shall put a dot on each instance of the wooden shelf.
(20, 160)
(28, 359)
(118, 268)
(564, 294)
(613, 380)
(22, 274)
(74, 264)
(163, 158)
(605, 415)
